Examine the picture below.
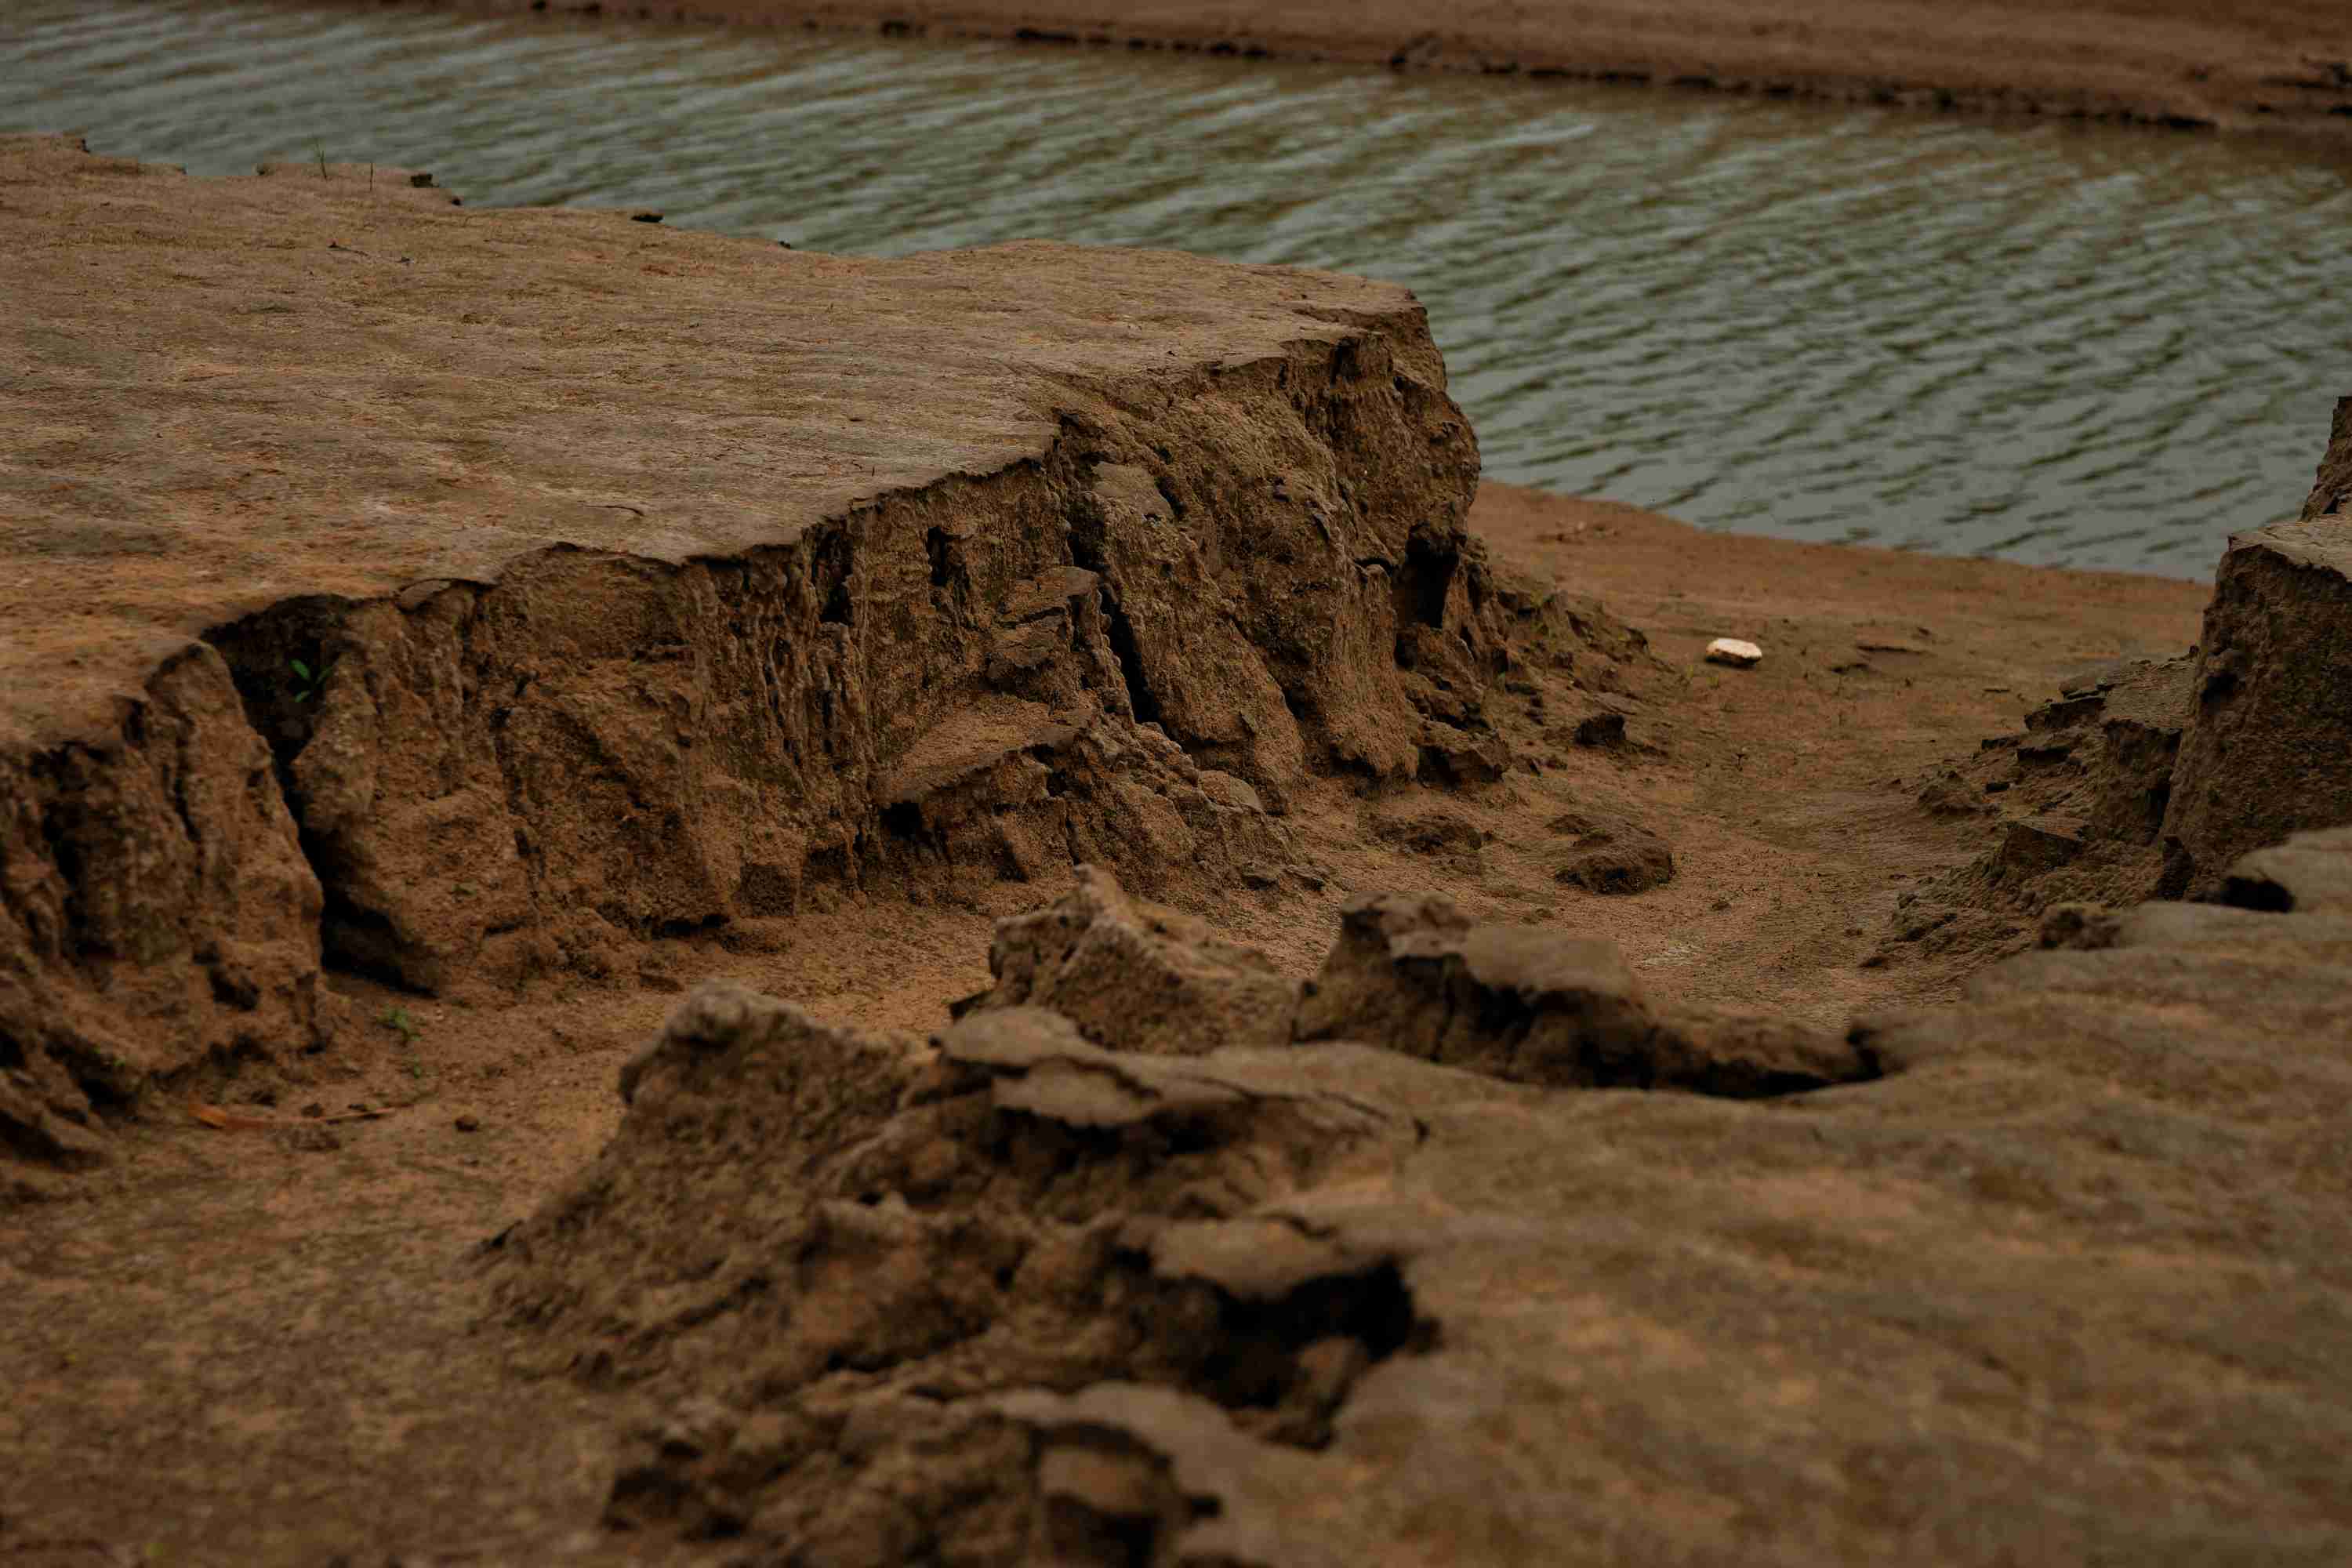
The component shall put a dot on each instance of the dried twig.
(222, 1120)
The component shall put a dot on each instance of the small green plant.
(320, 153)
(397, 1020)
(306, 681)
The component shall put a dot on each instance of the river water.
(2060, 345)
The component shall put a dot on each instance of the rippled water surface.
(2089, 347)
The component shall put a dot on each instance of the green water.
(2090, 347)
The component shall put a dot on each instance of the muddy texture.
(1144, 979)
(1415, 973)
(1101, 574)
(1408, 972)
(1611, 857)
(2311, 872)
(2073, 810)
(1013, 1297)
(1959, 1284)
(157, 919)
(2280, 68)
(1624, 1334)
(850, 1241)
(2270, 753)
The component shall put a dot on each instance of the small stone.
(1601, 729)
(1732, 651)
(314, 1109)
(1618, 861)
(644, 217)
(1227, 789)
(469, 1124)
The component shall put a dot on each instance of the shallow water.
(2059, 344)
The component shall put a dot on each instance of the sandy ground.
(262, 1346)
(2280, 67)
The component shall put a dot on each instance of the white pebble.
(1732, 651)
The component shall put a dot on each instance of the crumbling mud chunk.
(1534, 1006)
(849, 1241)
(1612, 857)
(2075, 803)
(1136, 977)
(2269, 749)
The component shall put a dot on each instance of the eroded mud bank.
(1156, 541)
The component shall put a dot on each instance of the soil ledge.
(477, 630)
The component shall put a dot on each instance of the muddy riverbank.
(552, 1012)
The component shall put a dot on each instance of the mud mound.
(1611, 857)
(1408, 974)
(2310, 872)
(939, 597)
(864, 1238)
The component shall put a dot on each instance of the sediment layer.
(487, 617)
(2278, 67)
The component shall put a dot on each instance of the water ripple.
(2062, 345)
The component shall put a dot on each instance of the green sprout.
(306, 681)
(398, 1020)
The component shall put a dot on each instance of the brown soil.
(280, 1343)
(2282, 67)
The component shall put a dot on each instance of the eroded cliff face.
(156, 914)
(1102, 654)
(2331, 492)
(1029, 557)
